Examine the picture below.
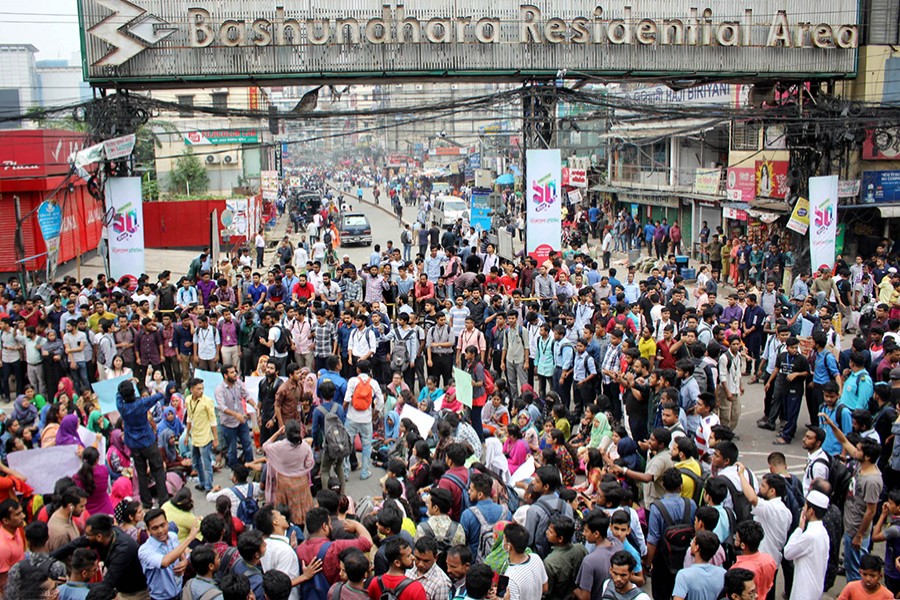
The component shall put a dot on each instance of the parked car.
(354, 228)
(447, 209)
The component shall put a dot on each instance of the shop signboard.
(848, 188)
(880, 186)
(543, 192)
(740, 185)
(707, 181)
(216, 137)
(175, 43)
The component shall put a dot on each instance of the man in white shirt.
(260, 243)
(279, 555)
(808, 547)
(489, 260)
(526, 572)
(769, 511)
(817, 463)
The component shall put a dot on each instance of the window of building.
(745, 135)
(186, 104)
(220, 100)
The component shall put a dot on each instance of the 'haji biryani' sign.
(150, 41)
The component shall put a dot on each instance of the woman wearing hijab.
(52, 352)
(55, 414)
(118, 457)
(261, 366)
(68, 432)
(175, 400)
(97, 423)
(494, 459)
(171, 421)
(515, 448)
(290, 460)
(168, 450)
(65, 387)
(601, 433)
(529, 432)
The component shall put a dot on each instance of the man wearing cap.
(808, 547)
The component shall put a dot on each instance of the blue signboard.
(480, 217)
(880, 186)
(50, 219)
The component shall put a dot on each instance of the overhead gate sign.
(183, 42)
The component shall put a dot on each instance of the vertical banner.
(823, 195)
(50, 218)
(125, 226)
(542, 191)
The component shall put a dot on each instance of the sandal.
(781, 442)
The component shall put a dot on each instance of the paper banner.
(211, 380)
(252, 385)
(43, 467)
(463, 383)
(106, 392)
(422, 420)
(87, 438)
(525, 471)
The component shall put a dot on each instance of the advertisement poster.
(799, 220)
(543, 198)
(823, 194)
(741, 184)
(125, 226)
(880, 186)
(882, 144)
(238, 208)
(771, 178)
(221, 136)
(50, 218)
(480, 217)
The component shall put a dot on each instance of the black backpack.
(443, 543)
(327, 237)
(283, 343)
(793, 499)
(541, 545)
(743, 510)
(839, 476)
(677, 537)
(699, 483)
(393, 593)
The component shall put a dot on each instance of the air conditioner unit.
(229, 159)
(420, 87)
(211, 159)
(454, 86)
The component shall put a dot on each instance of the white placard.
(422, 420)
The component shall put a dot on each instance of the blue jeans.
(365, 434)
(202, 459)
(407, 252)
(231, 438)
(80, 376)
(852, 556)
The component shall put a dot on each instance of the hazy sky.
(50, 25)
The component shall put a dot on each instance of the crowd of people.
(590, 453)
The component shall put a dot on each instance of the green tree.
(189, 175)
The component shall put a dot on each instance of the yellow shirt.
(202, 416)
(647, 348)
(885, 291)
(183, 519)
(94, 320)
(687, 484)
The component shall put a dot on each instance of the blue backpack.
(317, 587)
(247, 505)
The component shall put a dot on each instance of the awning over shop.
(645, 130)
(771, 205)
(602, 187)
(888, 211)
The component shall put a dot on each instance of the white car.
(447, 209)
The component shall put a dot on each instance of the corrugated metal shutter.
(881, 19)
(8, 256)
